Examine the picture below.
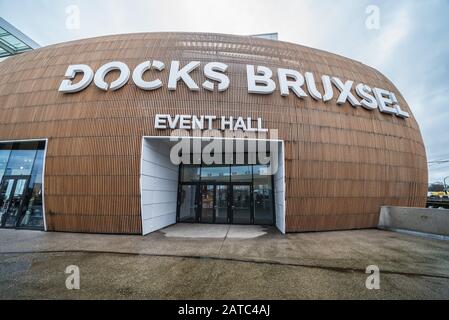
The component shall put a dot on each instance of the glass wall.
(226, 194)
(223, 173)
(187, 198)
(5, 151)
(241, 173)
(21, 169)
(263, 196)
(190, 173)
(215, 173)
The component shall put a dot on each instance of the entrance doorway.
(170, 192)
(21, 176)
(225, 194)
(216, 203)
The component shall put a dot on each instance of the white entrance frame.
(43, 171)
(150, 157)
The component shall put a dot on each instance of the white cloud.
(390, 38)
(411, 47)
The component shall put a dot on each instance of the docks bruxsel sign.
(260, 80)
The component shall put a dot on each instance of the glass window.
(215, 173)
(241, 173)
(262, 196)
(190, 173)
(36, 174)
(21, 190)
(21, 159)
(241, 203)
(187, 200)
(5, 151)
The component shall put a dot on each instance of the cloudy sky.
(409, 42)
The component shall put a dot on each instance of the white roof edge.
(18, 34)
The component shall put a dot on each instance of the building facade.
(87, 130)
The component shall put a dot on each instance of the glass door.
(12, 196)
(221, 203)
(188, 203)
(5, 197)
(239, 194)
(207, 203)
(241, 204)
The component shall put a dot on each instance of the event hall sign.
(259, 81)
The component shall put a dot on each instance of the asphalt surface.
(226, 262)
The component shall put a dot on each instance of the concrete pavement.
(225, 262)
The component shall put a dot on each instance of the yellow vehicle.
(437, 191)
(437, 194)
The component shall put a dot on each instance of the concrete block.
(425, 220)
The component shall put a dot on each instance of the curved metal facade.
(342, 163)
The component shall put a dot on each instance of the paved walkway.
(213, 261)
(214, 231)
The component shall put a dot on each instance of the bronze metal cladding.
(342, 163)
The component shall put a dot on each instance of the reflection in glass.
(190, 173)
(5, 151)
(221, 199)
(240, 194)
(188, 204)
(21, 159)
(241, 173)
(262, 196)
(13, 208)
(5, 197)
(241, 204)
(215, 173)
(21, 184)
(207, 203)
